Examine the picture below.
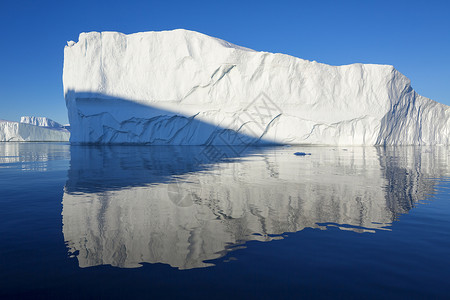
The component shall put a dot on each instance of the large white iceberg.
(11, 131)
(183, 87)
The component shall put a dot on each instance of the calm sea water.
(222, 222)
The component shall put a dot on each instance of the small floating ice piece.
(301, 153)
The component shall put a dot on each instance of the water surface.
(139, 221)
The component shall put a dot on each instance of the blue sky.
(414, 36)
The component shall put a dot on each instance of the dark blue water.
(195, 222)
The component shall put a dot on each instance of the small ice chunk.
(301, 153)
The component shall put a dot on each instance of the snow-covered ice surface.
(186, 88)
(40, 121)
(22, 132)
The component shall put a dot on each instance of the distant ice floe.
(33, 129)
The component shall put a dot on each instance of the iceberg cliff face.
(22, 132)
(186, 88)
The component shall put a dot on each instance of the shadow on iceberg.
(124, 206)
(97, 118)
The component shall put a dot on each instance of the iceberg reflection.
(123, 206)
(31, 156)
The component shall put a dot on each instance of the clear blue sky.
(414, 36)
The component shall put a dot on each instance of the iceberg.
(11, 131)
(182, 87)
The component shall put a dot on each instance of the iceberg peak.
(40, 121)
